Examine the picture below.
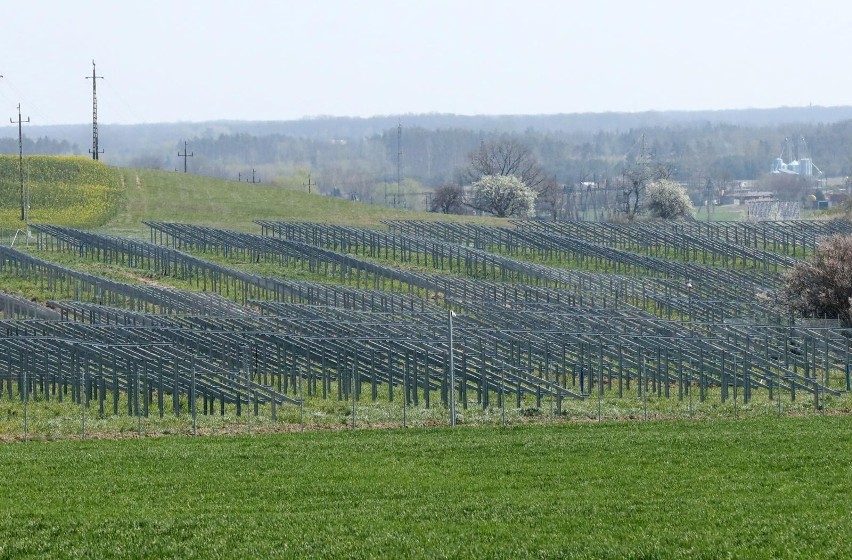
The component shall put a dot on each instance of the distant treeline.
(434, 157)
(351, 154)
(40, 146)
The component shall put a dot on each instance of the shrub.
(822, 285)
(503, 196)
(668, 200)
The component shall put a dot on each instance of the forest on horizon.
(359, 157)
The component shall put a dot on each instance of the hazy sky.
(166, 60)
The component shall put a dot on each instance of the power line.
(19, 122)
(30, 102)
(128, 110)
(94, 77)
(185, 155)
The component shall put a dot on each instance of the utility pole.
(398, 164)
(709, 194)
(185, 155)
(253, 180)
(309, 183)
(21, 159)
(94, 77)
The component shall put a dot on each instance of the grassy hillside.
(80, 192)
(771, 488)
(179, 197)
(74, 191)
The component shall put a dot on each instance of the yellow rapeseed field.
(65, 190)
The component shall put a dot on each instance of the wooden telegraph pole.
(185, 155)
(19, 122)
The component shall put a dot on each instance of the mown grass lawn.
(762, 488)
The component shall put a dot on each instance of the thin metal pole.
(83, 407)
(502, 399)
(736, 383)
(643, 386)
(600, 380)
(194, 419)
(779, 394)
(248, 388)
(301, 405)
(689, 386)
(452, 373)
(405, 396)
(136, 399)
(26, 398)
(551, 405)
(352, 389)
(248, 403)
(848, 378)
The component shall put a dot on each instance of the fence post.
(26, 399)
(136, 401)
(848, 379)
(192, 403)
(452, 373)
(404, 396)
(301, 404)
(82, 409)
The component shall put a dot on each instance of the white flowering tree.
(503, 196)
(668, 200)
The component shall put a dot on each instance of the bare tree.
(551, 199)
(505, 157)
(636, 180)
(822, 286)
(637, 176)
(448, 199)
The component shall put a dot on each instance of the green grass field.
(178, 197)
(760, 488)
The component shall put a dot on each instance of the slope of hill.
(67, 190)
(78, 192)
(179, 197)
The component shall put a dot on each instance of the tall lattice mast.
(94, 77)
